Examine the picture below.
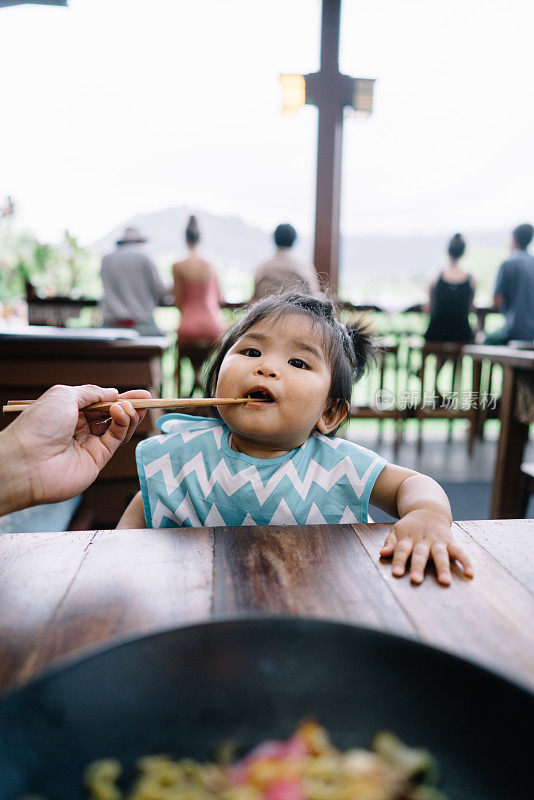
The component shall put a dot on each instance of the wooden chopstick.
(164, 402)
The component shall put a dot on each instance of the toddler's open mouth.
(260, 394)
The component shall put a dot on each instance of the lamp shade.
(293, 93)
(362, 98)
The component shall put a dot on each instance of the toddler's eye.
(298, 363)
(252, 352)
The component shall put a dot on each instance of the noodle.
(305, 767)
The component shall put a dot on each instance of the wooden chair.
(197, 351)
(435, 400)
(370, 410)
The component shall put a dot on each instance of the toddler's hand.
(424, 534)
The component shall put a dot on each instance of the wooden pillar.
(328, 90)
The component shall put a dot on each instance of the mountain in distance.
(227, 240)
(369, 263)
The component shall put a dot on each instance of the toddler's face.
(284, 361)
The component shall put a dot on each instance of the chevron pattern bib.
(191, 477)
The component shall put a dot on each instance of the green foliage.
(67, 269)
(16, 255)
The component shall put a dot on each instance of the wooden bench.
(55, 310)
(436, 401)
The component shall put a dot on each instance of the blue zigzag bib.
(191, 477)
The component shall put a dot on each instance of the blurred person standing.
(133, 287)
(514, 290)
(283, 272)
(451, 299)
(197, 295)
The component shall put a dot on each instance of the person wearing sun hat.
(133, 287)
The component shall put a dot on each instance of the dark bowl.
(184, 691)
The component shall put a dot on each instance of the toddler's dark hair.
(348, 349)
(456, 247)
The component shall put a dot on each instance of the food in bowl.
(304, 767)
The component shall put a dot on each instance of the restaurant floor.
(466, 479)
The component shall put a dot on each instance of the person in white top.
(132, 286)
(283, 272)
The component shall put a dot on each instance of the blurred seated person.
(451, 299)
(514, 290)
(133, 287)
(197, 295)
(283, 272)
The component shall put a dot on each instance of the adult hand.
(53, 450)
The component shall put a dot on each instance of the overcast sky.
(114, 107)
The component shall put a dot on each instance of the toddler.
(275, 460)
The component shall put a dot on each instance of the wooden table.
(61, 593)
(29, 366)
(507, 486)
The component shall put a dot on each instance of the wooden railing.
(407, 371)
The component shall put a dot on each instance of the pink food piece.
(296, 748)
(284, 790)
(277, 749)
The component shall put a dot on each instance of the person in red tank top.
(197, 296)
(196, 292)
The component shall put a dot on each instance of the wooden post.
(329, 142)
(330, 91)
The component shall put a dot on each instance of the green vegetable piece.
(413, 763)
